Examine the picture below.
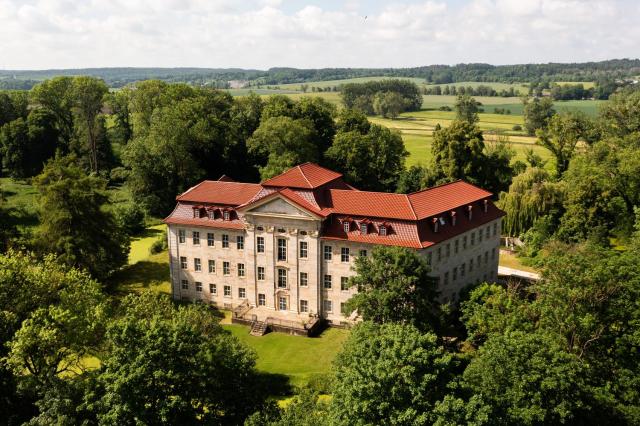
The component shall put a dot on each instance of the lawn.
(297, 358)
(512, 261)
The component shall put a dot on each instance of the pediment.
(280, 206)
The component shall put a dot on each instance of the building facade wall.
(457, 262)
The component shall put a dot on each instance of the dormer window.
(196, 212)
(442, 221)
(364, 228)
(212, 214)
(346, 226)
(226, 215)
(382, 230)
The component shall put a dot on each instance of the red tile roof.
(366, 203)
(445, 197)
(305, 176)
(323, 192)
(220, 192)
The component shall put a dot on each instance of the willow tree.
(532, 194)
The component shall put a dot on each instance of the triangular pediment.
(280, 206)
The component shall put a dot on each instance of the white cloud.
(265, 33)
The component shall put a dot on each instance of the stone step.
(258, 328)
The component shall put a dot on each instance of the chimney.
(470, 211)
(453, 217)
(486, 205)
(435, 224)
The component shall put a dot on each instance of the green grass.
(141, 244)
(298, 358)
(512, 261)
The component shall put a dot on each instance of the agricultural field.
(336, 83)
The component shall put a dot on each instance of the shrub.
(517, 127)
(160, 244)
(130, 217)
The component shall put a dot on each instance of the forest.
(562, 350)
(437, 74)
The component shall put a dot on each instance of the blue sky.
(260, 34)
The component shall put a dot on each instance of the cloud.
(266, 33)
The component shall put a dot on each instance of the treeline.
(436, 74)
(383, 97)
(480, 90)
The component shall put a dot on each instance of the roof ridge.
(303, 174)
(438, 186)
(415, 216)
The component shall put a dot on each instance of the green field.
(336, 83)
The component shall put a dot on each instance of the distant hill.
(438, 74)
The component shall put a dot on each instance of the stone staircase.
(258, 328)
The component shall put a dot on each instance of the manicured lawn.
(141, 244)
(512, 261)
(298, 358)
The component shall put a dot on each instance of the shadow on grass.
(147, 233)
(274, 385)
(143, 275)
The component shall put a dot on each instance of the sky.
(259, 34)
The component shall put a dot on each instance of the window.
(197, 265)
(212, 214)
(227, 291)
(196, 213)
(446, 278)
(242, 293)
(196, 238)
(344, 254)
(282, 230)
(226, 268)
(342, 308)
(495, 229)
(470, 265)
(344, 283)
(185, 285)
(364, 228)
(213, 289)
(363, 253)
(241, 269)
(454, 276)
(346, 226)
(282, 303)
(493, 254)
(282, 249)
(181, 236)
(464, 242)
(486, 257)
(382, 230)
(240, 242)
(479, 260)
(212, 266)
(282, 278)
(456, 246)
(328, 252)
(198, 286)
(260, 244)
(304, 279)
(473, 239)
(487, 233)
(304, 249)
(328, 306)
(463, 268)
(262, 299)
(304, 306)
(439, 254)
(480, 235)
(327, 281)
(448, 250)
(183, 262)
(225, 241)
(226, 215)
(260, 273)
(429, 258)
(210, 240)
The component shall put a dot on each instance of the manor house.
(285, 248)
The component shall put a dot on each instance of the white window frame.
(261, 273)
(240, 242)
(262, 299)
(185, 284)
(327, 305)
(304, 249)
(226, 268)
(195, 236)
(241, 270)
(198, 287)
(304, 306)
(212, 266)
(211, 242)
(227, 291)
(213, 289)
(197, 264)
(344, 283)
(242, 293)
(282, 249)
(304, 279)
(327, 279)
(225, 240)
(182, 236)
(282, 303)
(282, 278)
(327, 253)
(184, 264)
(345, 254)
(260, 244)
(346, 226)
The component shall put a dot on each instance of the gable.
(280, 207)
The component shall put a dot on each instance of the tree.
(561, 136)
(388, 104)
(56, 97)
(458, 152)
(527, 379)
(413, 179)
(74, 224)
(389, 374)
(621, 115)
(394, 286)
(167, 365)
(281, 143)
(88, 95)
(370, 161)
(304, 409)
(537, 112)
(466, 109)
